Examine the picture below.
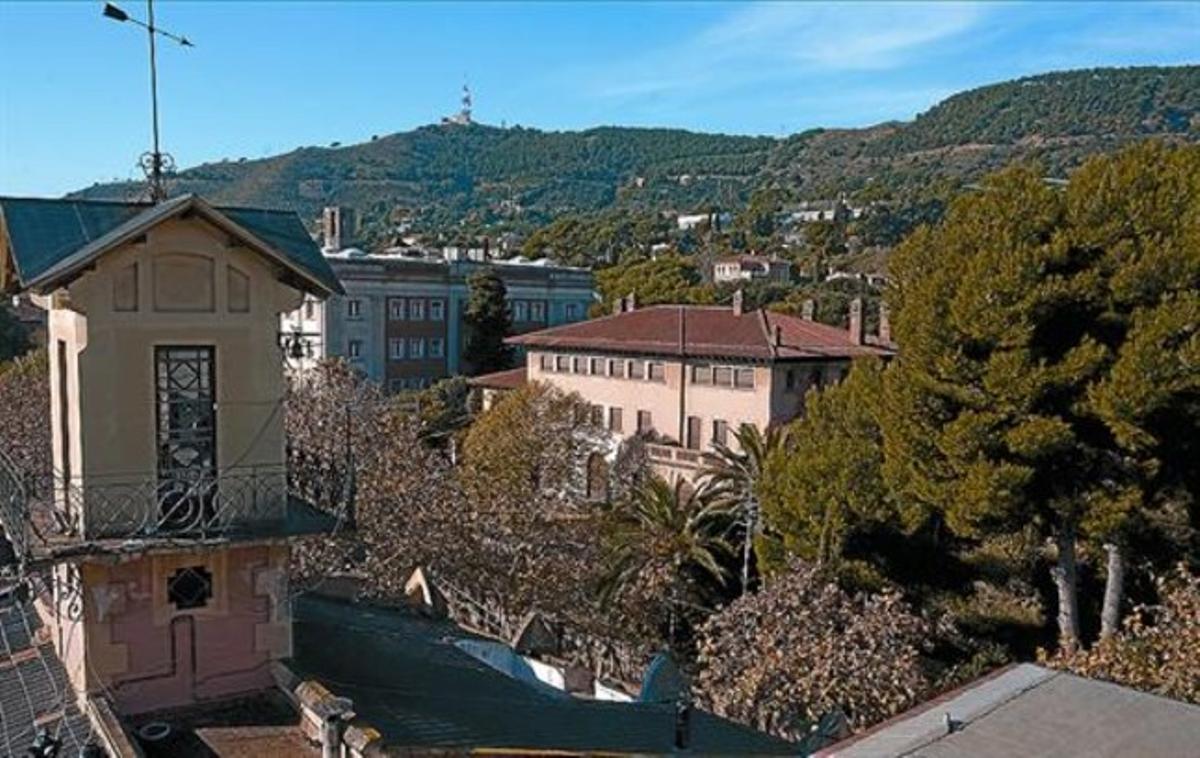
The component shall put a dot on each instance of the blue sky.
(268, 77)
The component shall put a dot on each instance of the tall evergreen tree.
(487, 322)
(1013, 318)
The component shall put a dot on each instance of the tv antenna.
(156, 164)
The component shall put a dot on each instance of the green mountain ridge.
(449, 176)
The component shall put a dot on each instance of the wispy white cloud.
(769, 41)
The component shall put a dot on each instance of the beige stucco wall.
(673, 401)
(183, 297)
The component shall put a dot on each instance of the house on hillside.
(745, 268)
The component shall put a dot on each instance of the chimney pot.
(856, 321)
(778, 335)
(808, 310)
(739, 303)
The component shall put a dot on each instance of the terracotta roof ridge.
(765, 323)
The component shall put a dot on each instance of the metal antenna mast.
(156, 164)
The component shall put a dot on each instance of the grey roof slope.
(409, 681)
(48, 235)
(34, 692)
(1029, 710)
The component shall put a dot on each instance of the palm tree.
(658, 535)
(732, 477)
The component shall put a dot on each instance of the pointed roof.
(52, 241)
(703, 331)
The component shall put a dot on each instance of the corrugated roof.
(408, 680)
(49, 237)
(703, 331)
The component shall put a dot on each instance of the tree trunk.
(1114, 592)
(1065, 580)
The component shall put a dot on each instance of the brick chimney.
(808, 310)
(739, 303)
(885, 324)
(856, 321)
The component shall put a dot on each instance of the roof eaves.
(122, 233)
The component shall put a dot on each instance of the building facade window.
(720, 432)
(692, 441)
(723, 376)
(743, 378)
(354, 349)
(396, 348)
(354, 309)
(615, 422)
(596, 367)
(395, 385)
(597, 478)
(437, 310)
(396, 309)
(310, 309)
(637, 369)
(657, 372)
(562, 363)
(520, 310)
(537, 311)
(546, 362)
(572, 312)
(416, 310)
(645, 424)
(437, 347)
(577, 365)
(416, 347)
(702, 375)
(597, 415)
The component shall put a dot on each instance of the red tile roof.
(709, 331)
(509, 379)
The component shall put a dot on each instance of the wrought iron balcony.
(49, 519)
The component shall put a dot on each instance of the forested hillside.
(470, 177)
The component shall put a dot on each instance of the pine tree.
(487, 323)
(1013, 318)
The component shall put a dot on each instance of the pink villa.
(687, 376)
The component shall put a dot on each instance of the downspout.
(682, 375)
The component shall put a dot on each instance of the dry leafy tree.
(25, 413)
(533, 443)
(800, 647)
(511, 551)
(1158, 647)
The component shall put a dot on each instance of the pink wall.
(151, 655)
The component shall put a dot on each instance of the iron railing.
(46, 515)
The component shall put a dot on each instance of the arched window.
(597, 478)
